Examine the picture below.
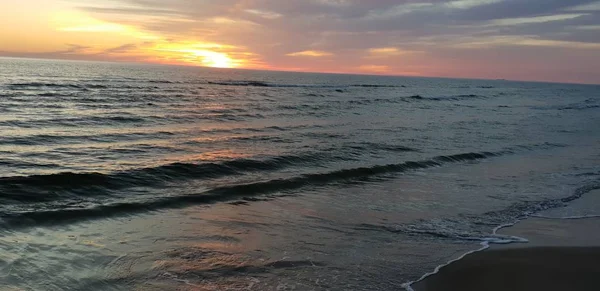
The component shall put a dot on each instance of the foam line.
(496, 239)
(485, 244)
(567, 217)
(408, 286)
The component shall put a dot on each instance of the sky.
(541, 40)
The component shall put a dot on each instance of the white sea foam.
(494, 239)
(485, 244)
(408, 285)
(568, 217)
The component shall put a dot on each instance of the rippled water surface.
(141, 177)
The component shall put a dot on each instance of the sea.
(117, 176)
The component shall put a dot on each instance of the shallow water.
(123, 176)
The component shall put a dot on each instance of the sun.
(215, 59)
(196, 54)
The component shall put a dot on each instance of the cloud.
(341, 31)
(587, 7)
(273, 22)
(122, 48)
(382, 36)
(588, 27)
(374, 68)
(264, 13)
(386, 52)
(102, 27)
(535, 19)
(130, 11)
(73, 49)
(467, 4)
(470, 43)
(310, 54)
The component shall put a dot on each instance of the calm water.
(140, 177)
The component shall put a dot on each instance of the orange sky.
(459, 38)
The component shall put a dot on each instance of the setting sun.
(215, 60)
(200, 54)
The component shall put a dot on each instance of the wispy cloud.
(310, 53)
(374, 68)
(387, 52)
(534, 19)
(264, 13)
(121, 49)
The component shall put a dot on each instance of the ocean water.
(145, 177)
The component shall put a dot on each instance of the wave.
(120, 118)
(378, 86)
(72, 122)
(52, 94)
(449, 231)
(445, 98)
(476, 227)
(249, 83)
(446, 229)
(579, 107)
(152, 84)
(143, 177)
(48, 139)
(243, 83)
(568, 107)
(279, 85)
(95, 86)
(24, 164)
(55, 85)
(576, 217)
(161, 82)
(24, 189)
(413, 98)
(485, 244)
(13, 187)
(39, 84)
(369, 146)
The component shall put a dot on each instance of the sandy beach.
(531, 268)
(562, 254)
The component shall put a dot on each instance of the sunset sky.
(548, 40)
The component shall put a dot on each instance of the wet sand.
(535, 268)
(561, 255)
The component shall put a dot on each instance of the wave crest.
(66, 181)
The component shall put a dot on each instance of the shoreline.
(561, 254)
(528, 268)
(486, 243)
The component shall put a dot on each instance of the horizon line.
(292, 71)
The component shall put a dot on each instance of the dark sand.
(561, 255)
(537, 268)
